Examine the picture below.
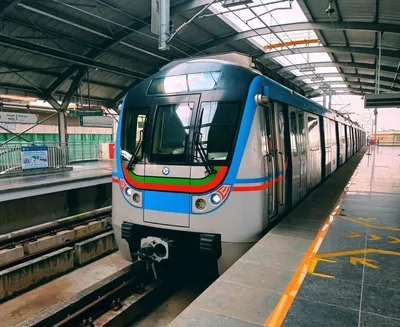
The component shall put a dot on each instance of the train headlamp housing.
(128, 192)
(200, 204)
(215, 199)
(136, 198)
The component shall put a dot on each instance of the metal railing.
(58, 155)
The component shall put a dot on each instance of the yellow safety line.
(280, 311)
(363, 223)
(285, 302)
(353, 252)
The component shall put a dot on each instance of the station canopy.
(81, 50)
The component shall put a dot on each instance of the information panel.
(16, 117)
(34, 157)
(94, 121)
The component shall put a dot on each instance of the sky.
(260, 16)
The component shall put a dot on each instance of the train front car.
(179, 149)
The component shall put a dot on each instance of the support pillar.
(330, 101)
(62, 128)
(63, 136)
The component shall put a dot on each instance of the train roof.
(274, 90)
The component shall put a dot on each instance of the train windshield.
(171, 132)
(218, 127)
(175, 135)
(132, 133)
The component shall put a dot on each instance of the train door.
(313, 152)
(270, 160)
(295, 156)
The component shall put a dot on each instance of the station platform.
(333, 261)
(82, 175)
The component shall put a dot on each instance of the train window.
(293, 133)
(342, 135)
(184, 83)
(301, 141)
(219, 121)
(269, 131)
(333, 133)
(313, 133)
(171, 130)
(301, 123)
(133, 124)
(203, 81)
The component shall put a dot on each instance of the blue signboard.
(34, 157)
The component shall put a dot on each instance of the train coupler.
(154, 250)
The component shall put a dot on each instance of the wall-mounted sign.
(93, 121)
(10, 127)
(19, 118)
(34, 157)
(79, 113)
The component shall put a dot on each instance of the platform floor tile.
(355, 275)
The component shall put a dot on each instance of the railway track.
(33, 256)
(35, 233)
(123, 297)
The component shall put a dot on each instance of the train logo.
(165, 171)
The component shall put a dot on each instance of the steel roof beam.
(67, 38)
(61, 17)
(67, 56)
(137, 25)
(299, 27)
(308, 87)
(6, 6)
(73, 87)
(344, 34)
(388, 69)
(329, 49)
(41, 95)
(348, 91)
(390, 81)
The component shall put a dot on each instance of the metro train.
(210, 152)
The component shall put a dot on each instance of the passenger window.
(293, 133)
(333, 133)
(269, 131)
(301, 133)
(301, 123)
(313, 133)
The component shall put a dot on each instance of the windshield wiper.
(203, 155)
(133, 160)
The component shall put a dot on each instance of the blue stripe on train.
(244, 131)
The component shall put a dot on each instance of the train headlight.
(200, 204)
(136, 198)
(128, 192)
(215, 199)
